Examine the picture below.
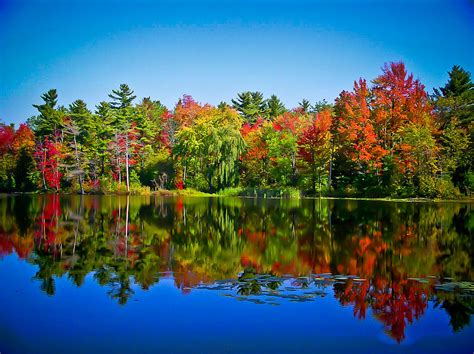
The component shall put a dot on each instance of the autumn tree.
(283, 147)
(7, 159)
(255, 160)
(356, 128)
(48, 157)
(314, 147)
(23, 148)
(398, 99)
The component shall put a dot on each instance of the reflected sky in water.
(147, 274)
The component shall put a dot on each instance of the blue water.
(205, 317)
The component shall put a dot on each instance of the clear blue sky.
(214, 49)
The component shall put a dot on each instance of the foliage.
(386, 137)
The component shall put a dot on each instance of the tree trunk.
(126, 163)
(313, 174)
(45, 186)
(78, 165)
(184, 176)
(319, 181)
(126, 226)
(330, 165)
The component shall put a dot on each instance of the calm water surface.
(207, 275)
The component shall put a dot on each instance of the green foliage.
(209, 148)
(251, 106)
(7, 167)
(454, 104)
(275, 107)
(433, 187)
(122, 98)
(24, 172)
(304, 105)
(286, 193)
(50, 119)
(387, 139)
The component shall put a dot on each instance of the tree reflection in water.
(389, 258)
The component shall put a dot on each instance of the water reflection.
(391, 258)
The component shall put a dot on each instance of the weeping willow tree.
(209, 149)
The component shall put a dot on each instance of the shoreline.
(193, 193)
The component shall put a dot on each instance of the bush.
(469, 181)
(105, 185)
(433, 187)
(286, 192)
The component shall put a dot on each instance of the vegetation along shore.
(387, 138)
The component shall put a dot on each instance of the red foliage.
(6, 138)
(315, 136)
(47, 223)
(357, 128)
(247, 128)
(398, 99)
(48, 154)
(168, 130)
(288, 121)
(179, 184)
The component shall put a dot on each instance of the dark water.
(208, 275)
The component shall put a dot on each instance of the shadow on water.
(389, 258)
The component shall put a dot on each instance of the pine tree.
(274, 107)
(456, 98)
(123, 112)
(304, 106)
(50, 119)
(251, 106)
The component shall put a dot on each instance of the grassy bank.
(260, 193)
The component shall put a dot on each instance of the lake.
(151, 274)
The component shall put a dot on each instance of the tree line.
(386, 137)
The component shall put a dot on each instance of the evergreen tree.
(103, 119)
(50, 118)
(274, 107)
(124, 113)
(122, 98)
(454, 103)
(320, 106)
(304, 105)
(251, 106)
(456, 98)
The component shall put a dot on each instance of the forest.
(383, 138)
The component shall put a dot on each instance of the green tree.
(104, 120)
(50, 119)
(251, 106)
(304, 106)
(211, 147)
(124, 115)
(454, 103)
(274, 107)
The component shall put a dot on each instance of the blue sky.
(214, 49)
